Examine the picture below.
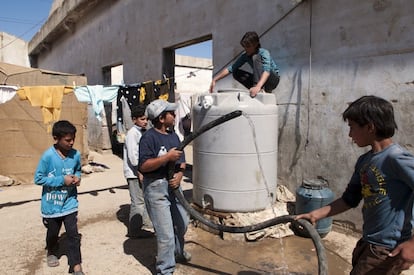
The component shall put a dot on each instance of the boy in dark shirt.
(384, 180)
(170, 220)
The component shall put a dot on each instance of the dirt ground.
(103, 218)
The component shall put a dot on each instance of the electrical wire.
(23, 34)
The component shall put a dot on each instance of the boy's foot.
(52, 261)
(149, 228)
(78, 269)
(183, 258)
(141, 234)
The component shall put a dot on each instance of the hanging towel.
(128, 96)
(147, 92)
(126, 113)
(162, 89)
(48, 98)
(7, 93)
(142, 94)
(97, 95)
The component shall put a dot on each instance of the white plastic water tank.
(235, 163)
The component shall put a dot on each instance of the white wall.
(193, 75)
(13, 50)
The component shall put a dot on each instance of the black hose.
(320, 249)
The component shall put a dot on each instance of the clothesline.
(49, 98)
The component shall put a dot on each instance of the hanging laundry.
(152, 90)
(7, 93)
(48, 98)
(147, 92)
(162, 89)
(126, 114)
(142, 94)
(183, 115)
(96, 95)
(135, 94)
(128, 96)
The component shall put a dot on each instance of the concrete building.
(13, 50)
(330, 53)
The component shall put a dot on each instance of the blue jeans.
(170, 221)
(138, 215)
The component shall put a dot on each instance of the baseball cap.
(156, 107)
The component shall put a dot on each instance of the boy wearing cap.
(170, 220)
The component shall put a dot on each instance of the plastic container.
(235, 163)
(313, 194)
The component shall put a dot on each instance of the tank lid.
(233, 91)
(314, 183)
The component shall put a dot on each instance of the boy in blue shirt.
(157, 148)
(384, 180)
(265, 71)
(58, 172)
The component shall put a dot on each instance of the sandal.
(52, 261)
(183, 258)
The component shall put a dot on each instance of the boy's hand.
(174, 154)
(67, 180)
(307, 216)
(76, 180)
(406, 252)
(70, 180)
(140, 178)
(176, 180)
(254, 91)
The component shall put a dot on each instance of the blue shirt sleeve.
(45, 175)
(238, 63)
(266, 60)
(78, 165)
(403, 165)
(353, 192)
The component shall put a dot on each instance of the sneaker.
(52, 261)
(149, 228)
(78, 273)
(183, 258)
(141, 234)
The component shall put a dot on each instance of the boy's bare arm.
(336, 207)
(406, 251)
(176, 180)
(153, 164)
